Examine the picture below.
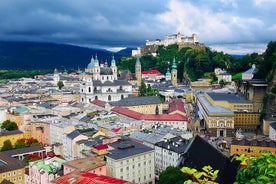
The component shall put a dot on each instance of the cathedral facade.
(100, 83)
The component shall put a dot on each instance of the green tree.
(222, 83)
(20, 143)
(207, 176)
(261, 169)
(60, 84)
(172, 175)
(7, 145)
(9, 125)
(143, 89)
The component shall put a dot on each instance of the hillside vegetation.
(196, 62)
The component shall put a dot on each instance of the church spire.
(174, 64)
(113, 62)
(96, 61)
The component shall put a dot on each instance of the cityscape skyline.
(232, 26)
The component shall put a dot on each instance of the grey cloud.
(129, 23)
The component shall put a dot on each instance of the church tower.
(96, 72)
(138, 72)
(168, 75)
(174, 73)
(114, 68)
(56, 76)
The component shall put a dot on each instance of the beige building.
(224, 112)
(131, 161)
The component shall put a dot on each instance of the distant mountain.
(34, 55)
(125, 52)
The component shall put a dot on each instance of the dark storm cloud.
(108, 23)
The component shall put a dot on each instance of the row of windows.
(139, 179)
(9, 174)
(133, 166)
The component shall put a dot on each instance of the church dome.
(90, 66)
(106, 71)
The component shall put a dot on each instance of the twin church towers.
(169, 76)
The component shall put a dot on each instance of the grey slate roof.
(132, 101)
(73, 134)
(140, 136)
(230, 97)
(176, 144)
(126, 148)
(23, 150)
(153, 138)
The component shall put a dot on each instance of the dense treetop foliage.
(9, 125)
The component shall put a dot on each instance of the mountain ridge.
(43, 55)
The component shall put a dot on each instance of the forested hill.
(33, 55)
(197, 63)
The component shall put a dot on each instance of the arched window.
(96, 97)
(122, 96)
(109, 97)
(89, 89)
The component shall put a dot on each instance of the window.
(3, 175)
(9, 174)
(121, 169)
(100, 169)
(14, 173)
(19, 178)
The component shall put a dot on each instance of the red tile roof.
(99, 103)
(176, 105)
(154, 117)
(101, 146)
(88, 178)
(147, 72)
(116, 129)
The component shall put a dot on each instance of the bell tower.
(138, 72)
(174, 73)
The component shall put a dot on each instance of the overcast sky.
(233, 26)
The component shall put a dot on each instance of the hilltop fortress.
(183, 41)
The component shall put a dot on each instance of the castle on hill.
(151, 47)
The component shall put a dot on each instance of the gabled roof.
(133, 101)
(101, 147)
(139, 116)
(147, 72)
(99, 103)
(73, 134)
(200, 153)
(78, 177)
(176, 105)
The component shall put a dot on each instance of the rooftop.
(85, 164)
(230, 97)
(133, 101)
(89, 178)
(126, 148)
(9, 164)
(254, 142)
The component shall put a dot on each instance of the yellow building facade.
(252, 147)
(13, 136)
(12, 170)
